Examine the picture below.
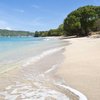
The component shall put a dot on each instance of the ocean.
(23, 51)
(27, 68)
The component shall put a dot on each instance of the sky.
(37, 15)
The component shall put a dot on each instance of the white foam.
(9, 87)
(45, 53)
(81, 96)
(29, 93)
(41, 94)
(50, 38)
(51, 69)
(14, 91)
(46, 39)
(8, 96)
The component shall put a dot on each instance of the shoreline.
(61, 78)
(80, 68)
(15, 83)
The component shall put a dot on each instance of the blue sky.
(36, 15)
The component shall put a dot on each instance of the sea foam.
(42, 55)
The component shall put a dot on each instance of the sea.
(23, 51)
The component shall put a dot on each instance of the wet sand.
(35, 82)
(81, 67)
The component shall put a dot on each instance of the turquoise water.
(21, 51)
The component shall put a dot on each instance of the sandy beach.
(76, 76)
(81, 67)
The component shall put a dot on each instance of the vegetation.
(83, 20)
(79, 22)
(52, 32)
(4, 32)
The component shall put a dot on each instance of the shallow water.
(35, 59)
(18, 51)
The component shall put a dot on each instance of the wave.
(51, 38)
(27, 92)
(62, 83)
(42, 55)
(76, 92)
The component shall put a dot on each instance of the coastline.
(80, 69)
(35, 80)
(73, 78)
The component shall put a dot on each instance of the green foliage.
(97, 25)
(4, 32)
(51, 32)
(81, 21)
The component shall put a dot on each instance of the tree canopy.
(81, 21)
(51, 32)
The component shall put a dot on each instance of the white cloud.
(4, 25)
(8, 28)
(19, 10)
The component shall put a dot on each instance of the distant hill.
(51, 32)
(4, 32)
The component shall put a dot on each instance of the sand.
(80, 70)
(34, 82)
(81, 67)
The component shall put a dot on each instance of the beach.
(68, 72)
(49, 50)
(81, 67)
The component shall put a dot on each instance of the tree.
(97, 25)
(87, 18)
(81, 21)
(36, 34)
(71, 25)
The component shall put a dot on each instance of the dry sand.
(81, 67)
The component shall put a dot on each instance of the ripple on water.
(27, 92)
